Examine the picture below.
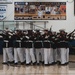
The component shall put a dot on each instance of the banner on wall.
(2, 12)
(74, 7)
(5, 1)
(40, 11)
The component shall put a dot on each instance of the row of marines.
(35, 47)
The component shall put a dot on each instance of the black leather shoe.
(42, 62)
(5, 63)
(22, 63)
(15, 63)
(28, 64)
(11, 62)
(38, 64)
(34, 63)
(63, 64)
(58, 62)
(53, 63)
(46, 64)
(67, 63)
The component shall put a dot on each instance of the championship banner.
(5, 1)
(2, 12)
(40, 11)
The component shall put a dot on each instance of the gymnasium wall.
(68, 24)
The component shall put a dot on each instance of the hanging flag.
(2, 12)
(5, 1)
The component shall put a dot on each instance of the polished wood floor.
(38, 70)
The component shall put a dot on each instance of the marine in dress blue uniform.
(38, 45)
(7, 52)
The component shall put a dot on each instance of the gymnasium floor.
(38, 70)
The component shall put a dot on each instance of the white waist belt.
(29, 41)
(46, 41)
(6, 41)
(18, 40)
(38, 41)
